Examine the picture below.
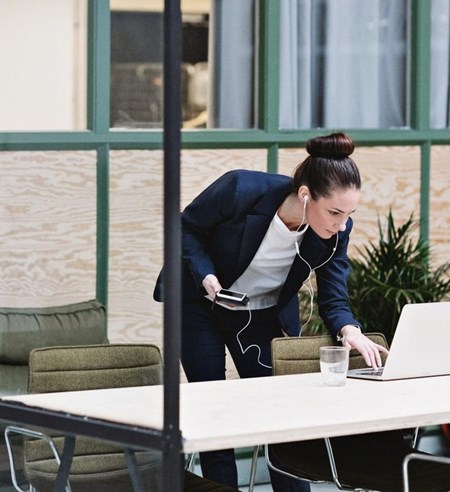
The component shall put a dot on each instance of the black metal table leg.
(130, 458)
(66, 462)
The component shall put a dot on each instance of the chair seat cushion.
(99, 469)
(92, 468)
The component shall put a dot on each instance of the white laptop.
(420, 347)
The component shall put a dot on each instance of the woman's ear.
(303, 194)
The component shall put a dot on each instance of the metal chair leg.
(251, 482)
(190, 461)
(332, 466)
(12, 429)
(417, 456)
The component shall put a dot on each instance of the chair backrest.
(97, 465)
(85, 367)
(25, 329)
(296, 355)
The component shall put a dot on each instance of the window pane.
(43, 53)
(343, 63)
(218, 64)
(440, 64)
(136, 69)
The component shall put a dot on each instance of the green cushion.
(98, 472)
(297, 355)
(24, 329)
(86, 367)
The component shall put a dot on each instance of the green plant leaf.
(393, 272)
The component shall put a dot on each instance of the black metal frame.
(130, 437)
(172, 243)
(169, 440)
(134, 436)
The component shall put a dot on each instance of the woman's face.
(328, 215)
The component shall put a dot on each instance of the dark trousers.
(205, 334)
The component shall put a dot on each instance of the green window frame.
(102, 139)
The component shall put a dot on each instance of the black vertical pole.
(172, 468)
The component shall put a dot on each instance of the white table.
(239, 413)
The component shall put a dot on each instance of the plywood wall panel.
(47, 228)
(136, 238)
(390, 181)
(201, 167)
(440, 203)
(136, 229)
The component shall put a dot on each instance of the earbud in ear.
(305, 198)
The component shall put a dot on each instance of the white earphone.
(307, 282)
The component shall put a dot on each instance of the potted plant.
(388, 273)
(392, 272)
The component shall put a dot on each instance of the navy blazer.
(223, 228)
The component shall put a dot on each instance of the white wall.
(40, 43)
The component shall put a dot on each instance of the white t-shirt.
(264, 277)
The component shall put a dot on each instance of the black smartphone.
(232, 297)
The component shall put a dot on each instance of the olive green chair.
(295, 355)
(97, 465)
(27, 328)
(361, 462)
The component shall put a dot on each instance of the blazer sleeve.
(332, 292)
(217, 224)
(201, 218)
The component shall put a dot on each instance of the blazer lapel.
(312, 251)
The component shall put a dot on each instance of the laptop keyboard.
(372, 372)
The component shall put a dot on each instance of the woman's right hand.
(211, 285)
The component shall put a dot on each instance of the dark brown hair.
(328, 166)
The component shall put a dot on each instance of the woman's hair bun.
(334, 146)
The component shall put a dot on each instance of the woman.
(264, 235)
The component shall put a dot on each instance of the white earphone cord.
(306, 283)
(253, 344)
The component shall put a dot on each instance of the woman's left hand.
(353, 338)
